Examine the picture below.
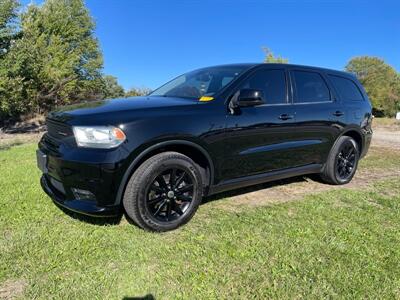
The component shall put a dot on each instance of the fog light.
(83, 194)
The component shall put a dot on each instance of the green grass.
(381, 158)
(342, 243)
(388, 122)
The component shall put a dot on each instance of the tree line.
(49, 56)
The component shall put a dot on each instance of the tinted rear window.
(310, 87)
(346, 88)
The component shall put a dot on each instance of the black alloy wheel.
(170, 195)
(345, 161)
(164, 192)
(342, 162)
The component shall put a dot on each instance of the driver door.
(262, 138)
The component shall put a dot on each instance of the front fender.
(141, 152)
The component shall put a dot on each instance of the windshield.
(199, 83)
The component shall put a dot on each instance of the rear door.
(319, 114)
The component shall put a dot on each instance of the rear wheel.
(164, 192)
(342, 162)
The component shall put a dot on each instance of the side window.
(310, 87)
(346, 88)
(271, 82)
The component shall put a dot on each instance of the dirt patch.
(10, 140)
(386, 138)
(296, 188)
(12, 289)
(386, 123)
(25, 131)
(34, 124)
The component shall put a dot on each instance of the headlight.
(105, 137)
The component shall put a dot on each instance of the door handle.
(338, 113)
(285, 117)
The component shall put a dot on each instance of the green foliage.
(111, 88)
(133, 92)
(10, 88)
(56, 61)
(8, 15)
(380, 80)
(271, 58)
(50, 57)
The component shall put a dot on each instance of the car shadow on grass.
(261, 186)
(147, 297)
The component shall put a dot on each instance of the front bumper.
(81, 180)
(86, 207)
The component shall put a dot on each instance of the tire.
(342, 162)
(157, 198)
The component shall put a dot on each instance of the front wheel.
(164, 192)
(342, 162)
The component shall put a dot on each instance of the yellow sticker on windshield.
(206, 98)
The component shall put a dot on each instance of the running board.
(264, 177)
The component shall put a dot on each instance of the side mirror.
(249, 97)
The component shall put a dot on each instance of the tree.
(133, 92)
(380, 80)
(56, 61)
(271, 58)
(111, 88)
(10, 88)
(8, 28)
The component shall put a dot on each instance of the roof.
(250, 65)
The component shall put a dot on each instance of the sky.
(148, 42)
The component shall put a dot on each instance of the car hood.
(117, 105)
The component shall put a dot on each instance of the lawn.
(390, 122)
(339, 243)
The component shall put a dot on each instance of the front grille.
(58, 130)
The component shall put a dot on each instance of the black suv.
(207, 131)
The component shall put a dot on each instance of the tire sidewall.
(343, 142)
(154, 169)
